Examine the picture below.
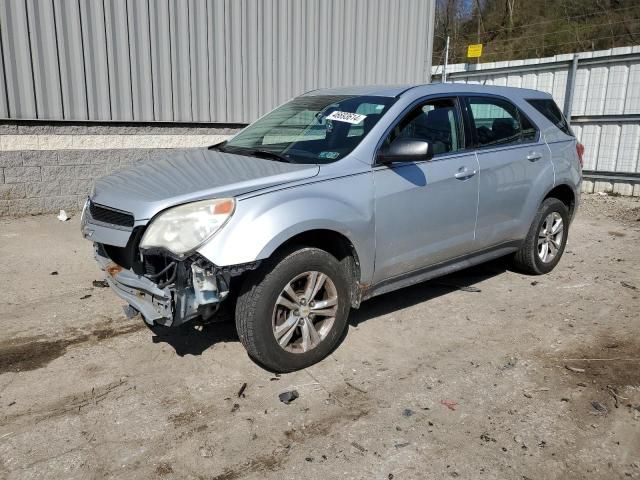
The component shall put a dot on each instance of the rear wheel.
(292, 312)
(547, 237)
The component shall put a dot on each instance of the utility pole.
(446, 62)
(479, 10)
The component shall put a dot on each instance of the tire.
(265, 310)
(529, 258)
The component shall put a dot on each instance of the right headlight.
(184, 228)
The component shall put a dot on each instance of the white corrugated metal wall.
(225, 61)
(605, 111)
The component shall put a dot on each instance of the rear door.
(512, 160)
(426, 210)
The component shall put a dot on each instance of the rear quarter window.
(550, 110)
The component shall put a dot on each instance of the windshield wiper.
(269, 154)
(256, 152)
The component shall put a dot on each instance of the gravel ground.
(528, 378)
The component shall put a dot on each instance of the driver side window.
(436, 122)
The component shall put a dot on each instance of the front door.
(425, 211)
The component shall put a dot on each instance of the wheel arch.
(332, 242)
(565, 194)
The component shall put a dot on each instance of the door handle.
(534, 156)
(463, 173)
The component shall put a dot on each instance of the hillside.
(514, 29)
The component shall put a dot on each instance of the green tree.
(518, 29)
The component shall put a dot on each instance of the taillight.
(580, 152)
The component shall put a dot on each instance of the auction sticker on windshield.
(346, 117)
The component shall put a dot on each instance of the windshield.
(311, 129)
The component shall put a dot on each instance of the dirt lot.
(529, 378)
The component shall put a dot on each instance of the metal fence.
(599, 91)
(225, 61)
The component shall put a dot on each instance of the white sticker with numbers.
(348, 117)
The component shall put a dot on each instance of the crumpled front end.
(181, 291)
(165, 290)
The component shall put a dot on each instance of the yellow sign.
(474, 51)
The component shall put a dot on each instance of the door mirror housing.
(406, 150)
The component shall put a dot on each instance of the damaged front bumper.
(184, 290)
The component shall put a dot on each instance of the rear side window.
(499, 123)
(549, 109)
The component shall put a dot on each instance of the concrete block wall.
(619, 187)
(45, 168)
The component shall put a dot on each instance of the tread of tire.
(251, 291)
(524, 258)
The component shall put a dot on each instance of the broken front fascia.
(195, 288)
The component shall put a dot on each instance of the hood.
(190, 175)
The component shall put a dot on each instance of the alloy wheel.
(550, 237)
(305, 312)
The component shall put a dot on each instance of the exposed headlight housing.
(182, 229)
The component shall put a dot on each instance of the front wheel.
(547, 237)
(292, 312)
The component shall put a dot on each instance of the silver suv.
(335, 197)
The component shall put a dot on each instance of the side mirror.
(406, 150)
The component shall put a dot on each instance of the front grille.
(109, 215)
